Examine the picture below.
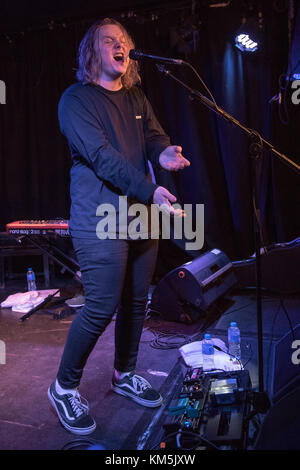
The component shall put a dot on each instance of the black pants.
(114, 273)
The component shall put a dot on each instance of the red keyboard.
(39, 227)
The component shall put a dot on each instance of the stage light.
(248, 38)
(245, 43)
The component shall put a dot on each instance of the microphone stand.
(256, 145)
(37, 307)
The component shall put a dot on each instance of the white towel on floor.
(192, 355)
(23, 302)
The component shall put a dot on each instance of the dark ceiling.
(16, 14)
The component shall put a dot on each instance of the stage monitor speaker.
(286, 364)
(280, 268)
(192, 288)
(280, 429)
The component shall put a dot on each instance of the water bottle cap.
(207, 336)
(29, 269)
(233, 323)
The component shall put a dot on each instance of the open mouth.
(119, 57)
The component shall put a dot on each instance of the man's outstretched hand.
(163, 198)
(171, 159)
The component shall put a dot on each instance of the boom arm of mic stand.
(213, 107)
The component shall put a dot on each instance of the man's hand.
(163, 198)
(171, 159)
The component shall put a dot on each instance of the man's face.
(114, 50)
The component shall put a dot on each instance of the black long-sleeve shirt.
(111, 135)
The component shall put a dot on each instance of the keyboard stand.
(54, 257)
(48, 252)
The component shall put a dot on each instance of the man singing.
(112, 132)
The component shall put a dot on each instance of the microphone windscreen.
(133, 54)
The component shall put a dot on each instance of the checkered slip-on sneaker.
(138, 389)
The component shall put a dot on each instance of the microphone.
(137, 55)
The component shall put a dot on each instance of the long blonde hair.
(89, 60)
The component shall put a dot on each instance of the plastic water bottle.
(208, 352)
(31, 285)
(234, 341)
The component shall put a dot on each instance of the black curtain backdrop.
(34, 158)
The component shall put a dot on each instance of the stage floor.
(34, 348)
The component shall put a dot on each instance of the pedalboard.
(213, 405)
